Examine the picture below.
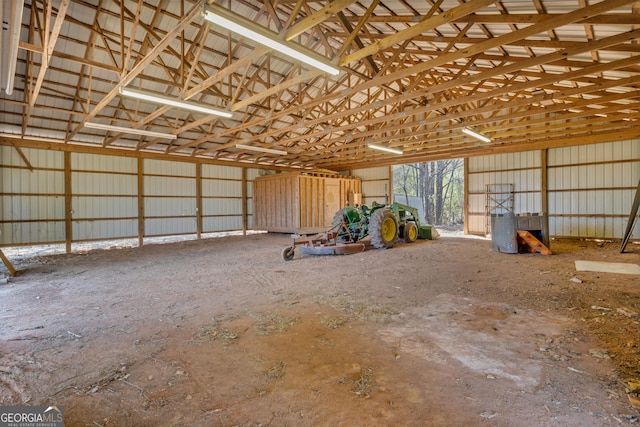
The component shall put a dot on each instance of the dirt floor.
(223, 332)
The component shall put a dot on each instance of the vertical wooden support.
(68, 206)
(389, 195)
(245, 213)
(6, 262)
(544, 192)
(199, 200)
(465, 203)
(140, 201)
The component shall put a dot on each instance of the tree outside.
(438, 186)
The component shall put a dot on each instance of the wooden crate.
(300, 203)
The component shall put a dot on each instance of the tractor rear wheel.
(383, 229)
(340, 219)
(410, 233)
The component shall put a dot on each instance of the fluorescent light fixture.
(262, 149)
(249, 29)
(476, 135)
(15, 24)
(129, 130)
(383, 148)
(159, 99)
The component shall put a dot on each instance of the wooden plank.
(607, 267)
(6, 262)
(534, 245)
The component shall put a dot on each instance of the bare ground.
(222, 332)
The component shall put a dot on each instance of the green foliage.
(439, 185)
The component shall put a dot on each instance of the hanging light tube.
(14, 39)
(476, 135)
(129, 130)
(383, 148)
(262, 149)
(164, 100)
(247, 28)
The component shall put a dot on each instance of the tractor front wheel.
(410, 232)
(383, 229)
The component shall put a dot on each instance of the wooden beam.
(140, 66)
(414, 30)
(51, 40)
(316, 18)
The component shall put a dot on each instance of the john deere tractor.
(384, 224)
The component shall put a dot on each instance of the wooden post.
(245, 213)
(465, 203)
(544, 193)
(140, 201)
(198, 200)
(68, 206)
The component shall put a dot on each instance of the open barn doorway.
(436, 189)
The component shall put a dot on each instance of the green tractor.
(384, 224)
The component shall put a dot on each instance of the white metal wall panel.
(223, 223)
(591, 189)
(104, 229)
(103, 183)
(104, 197)
(32, 200)
(222, 172)
(220, 188)
(93, 208)
(221, 198)
(169, 197)
(372, 173)
(166, 227)
(169, 186)
(37, 181)
(169, 207)
(222, 206)
(102, 163)
(520, 169)
(163, 167)
(32, 233)
(37, 158)
(376, 184)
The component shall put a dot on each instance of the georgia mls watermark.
(31, 416)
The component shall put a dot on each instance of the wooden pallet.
(529, 241)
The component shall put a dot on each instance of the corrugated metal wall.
(488, 178)
(377, 184)
(221, 198)
(589, 188)
(169, 198)
(103, 197)
(33, 200)
(98, 197)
